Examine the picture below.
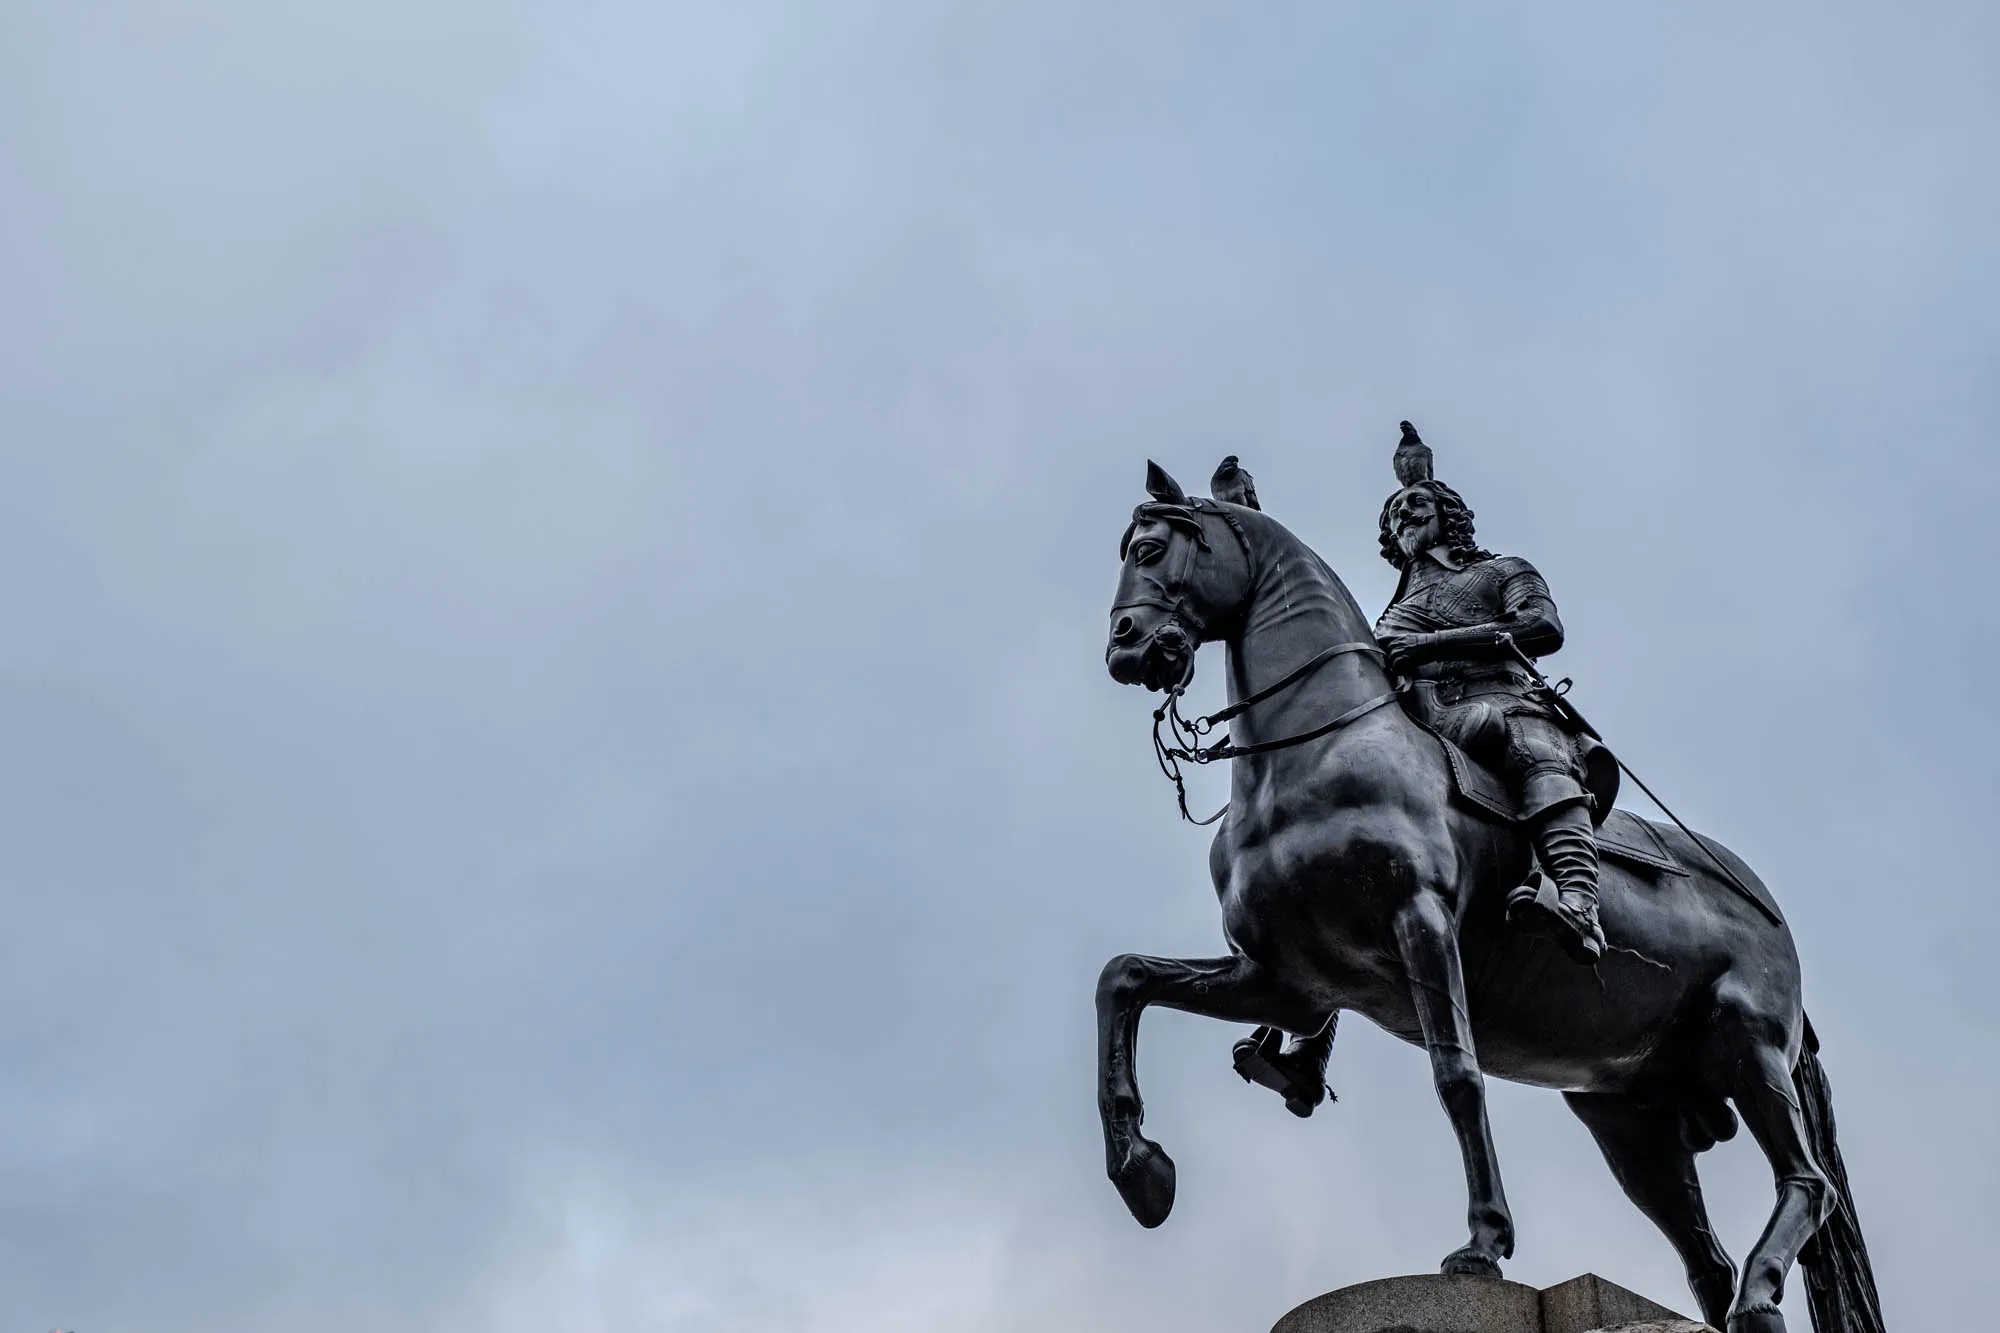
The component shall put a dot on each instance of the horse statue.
(1354, 875)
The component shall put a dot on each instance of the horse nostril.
(1123, 629)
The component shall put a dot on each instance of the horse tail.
(1840, 1283)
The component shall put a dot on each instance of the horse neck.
(1298, 608)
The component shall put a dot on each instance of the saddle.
(1621, 835)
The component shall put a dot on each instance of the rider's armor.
(1491, 707)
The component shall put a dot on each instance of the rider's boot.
(1298, 1074)
(1567, 847)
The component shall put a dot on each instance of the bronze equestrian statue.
(1369, 860)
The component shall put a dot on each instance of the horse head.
(1185, 579)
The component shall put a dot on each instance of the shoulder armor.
(1507, 566)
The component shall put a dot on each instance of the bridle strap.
(1173, 598)
(1202, 725)
(1169, 756)
(1212, 753)
(1186, 735)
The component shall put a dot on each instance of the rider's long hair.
(1453, 517)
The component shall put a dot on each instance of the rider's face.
(1413, 518)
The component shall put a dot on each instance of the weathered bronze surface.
(1354, 874)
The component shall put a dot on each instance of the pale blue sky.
(559, 771)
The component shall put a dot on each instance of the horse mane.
(1289, 580)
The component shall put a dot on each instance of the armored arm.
(1529, 615)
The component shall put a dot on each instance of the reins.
(1183, 738)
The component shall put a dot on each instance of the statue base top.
(1431, 1304)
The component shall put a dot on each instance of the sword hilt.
(1555, 696)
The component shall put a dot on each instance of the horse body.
(1350, 878)
(1399, 832)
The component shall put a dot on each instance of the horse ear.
(1163, 487)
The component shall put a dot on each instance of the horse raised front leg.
(1233, 988)
(1427, 939)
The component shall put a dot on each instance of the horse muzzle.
(1159, 661)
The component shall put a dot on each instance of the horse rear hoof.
(1761, 1318)
(1146, 1182)
(1469, 1262)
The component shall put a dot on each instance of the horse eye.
(1145, 553)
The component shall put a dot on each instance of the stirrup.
(1527, 892)
(1537, 907)
(1260, 1059)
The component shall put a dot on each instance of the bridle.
(1172, 597)
(1182, 739)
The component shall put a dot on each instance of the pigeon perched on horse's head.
(1232, 485)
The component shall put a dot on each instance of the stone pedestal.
(1588, 1303)
(1432, 1304)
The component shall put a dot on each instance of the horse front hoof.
(1469, 1262)
(1762, 1317)
(1146, 1182)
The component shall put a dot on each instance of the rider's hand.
(1405, 650)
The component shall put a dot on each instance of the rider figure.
(1443, 637)
(1445, 634)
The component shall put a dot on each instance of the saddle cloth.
(1621, 835)
(1487, 793)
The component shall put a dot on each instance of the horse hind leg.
(1647, 1150)
(1758, 1071)
(1231, 988)
(1427, 940)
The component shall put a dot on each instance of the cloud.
(559, 763)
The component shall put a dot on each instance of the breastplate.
(1450, 598)
(1437, 598)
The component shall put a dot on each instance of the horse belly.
(1604, 1061)
(1539, 1018)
